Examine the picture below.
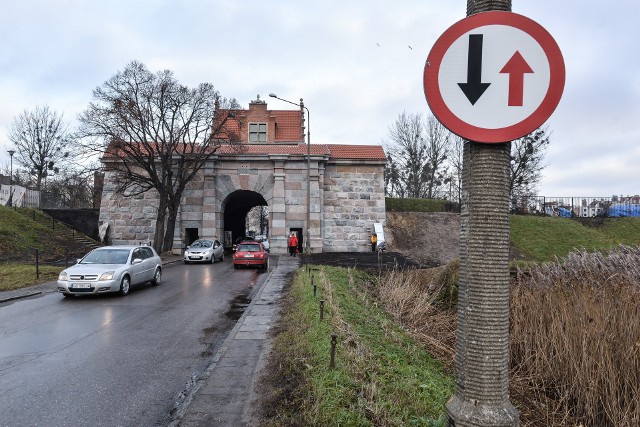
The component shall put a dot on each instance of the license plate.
(195, 257)
(81, 285)
(248, 255)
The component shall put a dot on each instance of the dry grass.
(575, 334)
(420, 301)
(575, 339)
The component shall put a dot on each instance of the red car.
(250, 253)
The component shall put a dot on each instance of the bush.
(420, 205)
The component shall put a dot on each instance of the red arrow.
(516, 67)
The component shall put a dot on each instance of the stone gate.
(346, 185)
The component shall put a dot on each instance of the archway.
(236, 207)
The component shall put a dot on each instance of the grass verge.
(382, 376)
(544, 238)
(17, 276)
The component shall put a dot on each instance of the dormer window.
(257, 132)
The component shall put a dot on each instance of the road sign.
(494, 77)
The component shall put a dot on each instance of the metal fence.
(16, 195)
(583, 207)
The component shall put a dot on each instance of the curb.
(182, 408)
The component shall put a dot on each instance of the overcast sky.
(357, 64)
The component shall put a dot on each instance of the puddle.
(238, 305)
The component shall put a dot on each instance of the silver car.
(203, 250)
(111, 269)
(263, 239)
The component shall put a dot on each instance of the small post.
(321, 309)
(313, 283)
(37, 264)
(334, 341)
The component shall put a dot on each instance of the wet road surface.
(117, 361)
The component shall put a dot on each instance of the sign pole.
(482, 339)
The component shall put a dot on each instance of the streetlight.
(301, 105)
(10, 202)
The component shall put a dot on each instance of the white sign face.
(494, 77)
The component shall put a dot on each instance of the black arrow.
(474, 88)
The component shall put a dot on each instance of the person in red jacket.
(293, 244)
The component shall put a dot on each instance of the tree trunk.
(160, 222)
(482, 337)
(171, 226)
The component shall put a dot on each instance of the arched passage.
(236, 207)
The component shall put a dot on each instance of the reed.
(575, 333)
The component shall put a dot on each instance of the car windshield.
(249, 248)
(107, 256)
(202, 244)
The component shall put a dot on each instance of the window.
(146, 252)
(257, 132)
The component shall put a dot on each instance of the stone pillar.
(321, 213)
(278, 230)
(210, 203)
(315, 214)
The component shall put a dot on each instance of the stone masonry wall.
(131, 219)
(353, 202)
(346, 200)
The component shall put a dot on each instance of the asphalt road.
(116, 361)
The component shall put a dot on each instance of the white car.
(203, 250)
(111, 269)
(263, 239)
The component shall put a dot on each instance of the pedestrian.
(293, 244)
(374, 242)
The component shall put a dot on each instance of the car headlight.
(106, 276)
(62, 276)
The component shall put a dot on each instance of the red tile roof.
(369, 152)
(333, 151)
(287, 125)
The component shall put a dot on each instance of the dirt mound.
(364, 260)
(430, 238)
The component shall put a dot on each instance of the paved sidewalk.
(223, 396)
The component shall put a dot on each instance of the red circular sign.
(494, 77)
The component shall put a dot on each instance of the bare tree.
(43, 141)
(418, 149)
(392, 184)
(73, 188)
(527, 162)
(156, 134)
(437, 143)
(455, 162)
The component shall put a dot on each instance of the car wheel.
(235, 266)
(222, 257)
(213, 259)
(125, 285)
(68, 295)
(157, 277)
(266, 264)
(186, 262)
